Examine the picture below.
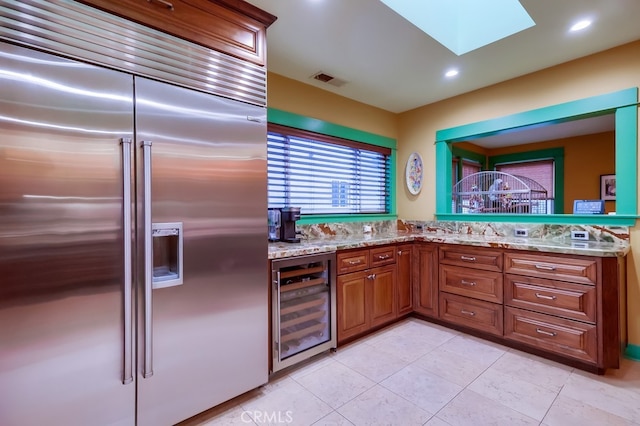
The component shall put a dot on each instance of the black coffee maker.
(288, 218)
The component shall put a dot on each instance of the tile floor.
(417, 373)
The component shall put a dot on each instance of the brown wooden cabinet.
(353, 318)
(366, 290)
(471, 289)
(233, 27)
(425, 273)
(404, 267)
(566, 305)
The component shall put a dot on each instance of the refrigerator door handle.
(127, 371)
(148, 261)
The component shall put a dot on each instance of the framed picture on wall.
(608, 187)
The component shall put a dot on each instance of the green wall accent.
(297, 121)
(632, 352)
(557, 154)
(623, 103)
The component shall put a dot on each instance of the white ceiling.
(388, 63)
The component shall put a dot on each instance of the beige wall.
(415, 130)
(292, 96)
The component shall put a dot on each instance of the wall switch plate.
(579, 235)
(521, 232)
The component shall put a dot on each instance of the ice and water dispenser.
(167, 254)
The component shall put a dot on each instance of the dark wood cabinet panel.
(473, 313)
(562, 268)
(233, 27)
(562, 336)
(404, 280)
(483, 285)
(352, 260)
(382, 307)
(471, 257)
(574, 301)
(352, 305)
(425, 272)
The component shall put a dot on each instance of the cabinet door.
(382, 282)
(426, 280)
(352, 302)
(404, 263)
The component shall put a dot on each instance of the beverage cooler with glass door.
(303, 297)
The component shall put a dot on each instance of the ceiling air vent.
(329, 79)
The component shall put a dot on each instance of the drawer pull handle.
(371, 277)
(546, 333)
(465, 282)
(399, 252)
(470, 313)
(542, 296)
(468, 258)
(546, 267)
(165, 3)
(354, 262)
(383, 257)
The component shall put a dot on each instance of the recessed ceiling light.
(580, 25)
(451, 73)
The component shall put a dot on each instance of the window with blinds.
(469, 167)
(542, 171)
(326, 175)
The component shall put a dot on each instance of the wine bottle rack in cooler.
(303, 302)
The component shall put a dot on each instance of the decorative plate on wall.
(413, 174)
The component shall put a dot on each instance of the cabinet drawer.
(484, 285)
(352, 261)
(573, 269)
(472, 313)
(486, 259)
(382, 256)
(575, 301)
(562, 336)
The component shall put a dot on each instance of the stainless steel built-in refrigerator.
(132, 245)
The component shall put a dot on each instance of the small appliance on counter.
(273, 222)
(289, 216)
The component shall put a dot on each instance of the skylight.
(464, 25)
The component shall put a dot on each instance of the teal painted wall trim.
(632, 352)
(469, 155)
(623, 103)
(557, 154)
(443, 178)
(559, 219)
(593, 106)
(314, 125)
(627, 159)
(310, 220)
(297, 121)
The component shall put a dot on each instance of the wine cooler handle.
(127, 368)
(277, 290)
(147, 370)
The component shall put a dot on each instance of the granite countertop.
(560, 245)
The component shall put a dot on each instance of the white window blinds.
(326, 175)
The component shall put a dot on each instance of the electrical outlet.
(521, 232)
(579, 235)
